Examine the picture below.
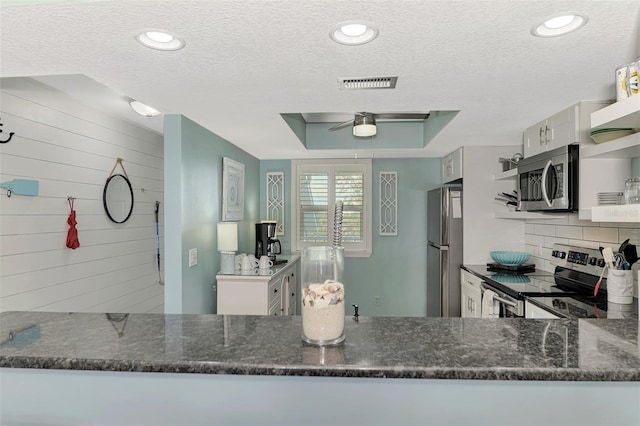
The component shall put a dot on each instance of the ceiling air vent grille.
(367, 83)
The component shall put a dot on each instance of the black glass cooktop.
(586, 306)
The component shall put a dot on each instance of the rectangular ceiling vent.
(367, 83)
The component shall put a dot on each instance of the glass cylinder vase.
(322, 295)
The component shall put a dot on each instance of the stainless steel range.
(568, 291)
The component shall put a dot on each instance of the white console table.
(257, 292)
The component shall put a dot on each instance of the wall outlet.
(376, 301)
(193, 257)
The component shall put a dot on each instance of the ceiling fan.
(364, 123)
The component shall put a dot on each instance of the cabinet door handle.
(546, 134)
(540, 137)
(275, 290)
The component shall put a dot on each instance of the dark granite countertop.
(394, 347)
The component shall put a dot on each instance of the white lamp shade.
(227, 236)
(363, 130)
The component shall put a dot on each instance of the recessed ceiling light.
(143, 109)
(353, 33)
(559, 25)
(160, 40)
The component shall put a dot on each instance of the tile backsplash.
(541, 234)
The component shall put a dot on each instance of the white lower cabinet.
(533, 311)
(273, 294)
(470, 295)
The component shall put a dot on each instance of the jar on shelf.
(632, 190)
(322, 295)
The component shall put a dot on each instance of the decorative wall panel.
(275, 199)
(389, 204)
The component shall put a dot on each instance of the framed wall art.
(232, 190)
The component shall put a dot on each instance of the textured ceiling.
(248, 61)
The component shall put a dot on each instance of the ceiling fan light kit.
(364, 123)
(364, 130)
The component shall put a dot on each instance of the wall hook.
(10, 136)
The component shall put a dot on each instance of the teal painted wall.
(635, 166)
(396, 272)
(193, 194)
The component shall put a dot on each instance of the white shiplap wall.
(70, 148)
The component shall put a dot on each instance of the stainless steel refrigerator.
(444, 251)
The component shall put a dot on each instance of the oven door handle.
(498, 298)
(505, 301)
(544, 183)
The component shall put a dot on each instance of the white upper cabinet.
(452, 166)
(571, 125)
(535, 139)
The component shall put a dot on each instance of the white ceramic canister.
(620, 286)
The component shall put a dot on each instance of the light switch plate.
(193, 257)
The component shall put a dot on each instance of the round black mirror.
(118, 198)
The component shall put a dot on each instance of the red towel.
(72, 234)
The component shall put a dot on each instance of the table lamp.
(227, 246)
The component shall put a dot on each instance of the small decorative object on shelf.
(627, 80)
(322, 295)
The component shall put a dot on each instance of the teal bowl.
(510, 258)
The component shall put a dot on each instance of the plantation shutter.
(318, 185)
(349, 188)
(314, 207)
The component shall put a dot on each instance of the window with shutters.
(317, 187)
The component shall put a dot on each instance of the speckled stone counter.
(437, 348)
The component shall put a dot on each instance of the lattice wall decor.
(275, 199)
(388, 204)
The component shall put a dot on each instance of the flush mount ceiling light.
(353, 33)
(143, 109)
(160, 40)
(560, 24)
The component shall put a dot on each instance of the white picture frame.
(232, 190)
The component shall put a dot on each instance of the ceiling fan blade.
(401, 116)
(341, 125)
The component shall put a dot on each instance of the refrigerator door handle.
(444, 268)
(444, 227)
(438, 247)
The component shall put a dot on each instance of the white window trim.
(296, 165)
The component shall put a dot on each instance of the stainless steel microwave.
(549, 181)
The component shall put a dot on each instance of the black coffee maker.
(266, 243)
